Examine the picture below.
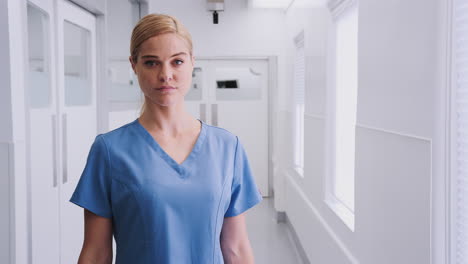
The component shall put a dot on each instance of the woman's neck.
(167, 120)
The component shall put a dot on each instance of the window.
(299, 88)
(39, 58)
(342, 106)
(459, 225)
(78, 65)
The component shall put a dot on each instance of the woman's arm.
(97, 245)
(235, 243)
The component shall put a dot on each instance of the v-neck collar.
(182, 168)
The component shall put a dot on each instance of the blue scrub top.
(165, 212)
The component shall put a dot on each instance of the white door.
(61, 97)
(43, 133)
(233, 94)
(78, 117)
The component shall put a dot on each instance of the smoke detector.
(215, 6)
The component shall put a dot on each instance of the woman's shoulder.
(121, 134)
(221, 134)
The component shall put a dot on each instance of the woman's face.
(164, 69)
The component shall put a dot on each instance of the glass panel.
(39, 72)
(238, 84)
(195, 92)
(77, 52)
(124, 82)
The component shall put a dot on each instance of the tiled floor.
(271, 241)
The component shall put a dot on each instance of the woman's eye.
(178, 62)
(150, 63)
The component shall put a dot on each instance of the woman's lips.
(165, 88)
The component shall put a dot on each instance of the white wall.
(397, 46)
(440, 164)
(240, 32)
(122, 17)
(397, 83)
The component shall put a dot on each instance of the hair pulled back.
(156, 24)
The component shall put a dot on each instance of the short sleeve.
(93, 189)
(244, 191)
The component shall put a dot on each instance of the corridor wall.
(397, 80)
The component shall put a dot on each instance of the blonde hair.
(152, 25)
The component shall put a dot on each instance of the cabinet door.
(78, 117)
(43, 133)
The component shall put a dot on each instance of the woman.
(170, 188)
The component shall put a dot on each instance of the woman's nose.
(165, 74)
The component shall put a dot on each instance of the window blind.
(460, 81)
(299, 94)
(299, 71)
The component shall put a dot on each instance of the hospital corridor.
(234, 131)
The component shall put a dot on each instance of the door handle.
(54, 149)
(64, 149)
(214, 114)
(203, 112)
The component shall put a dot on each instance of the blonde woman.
(170, 188)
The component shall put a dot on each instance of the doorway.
(233, 94)
(62, 123)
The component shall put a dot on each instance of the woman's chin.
(167, 102)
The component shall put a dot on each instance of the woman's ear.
(132, 63)
(193, 61)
